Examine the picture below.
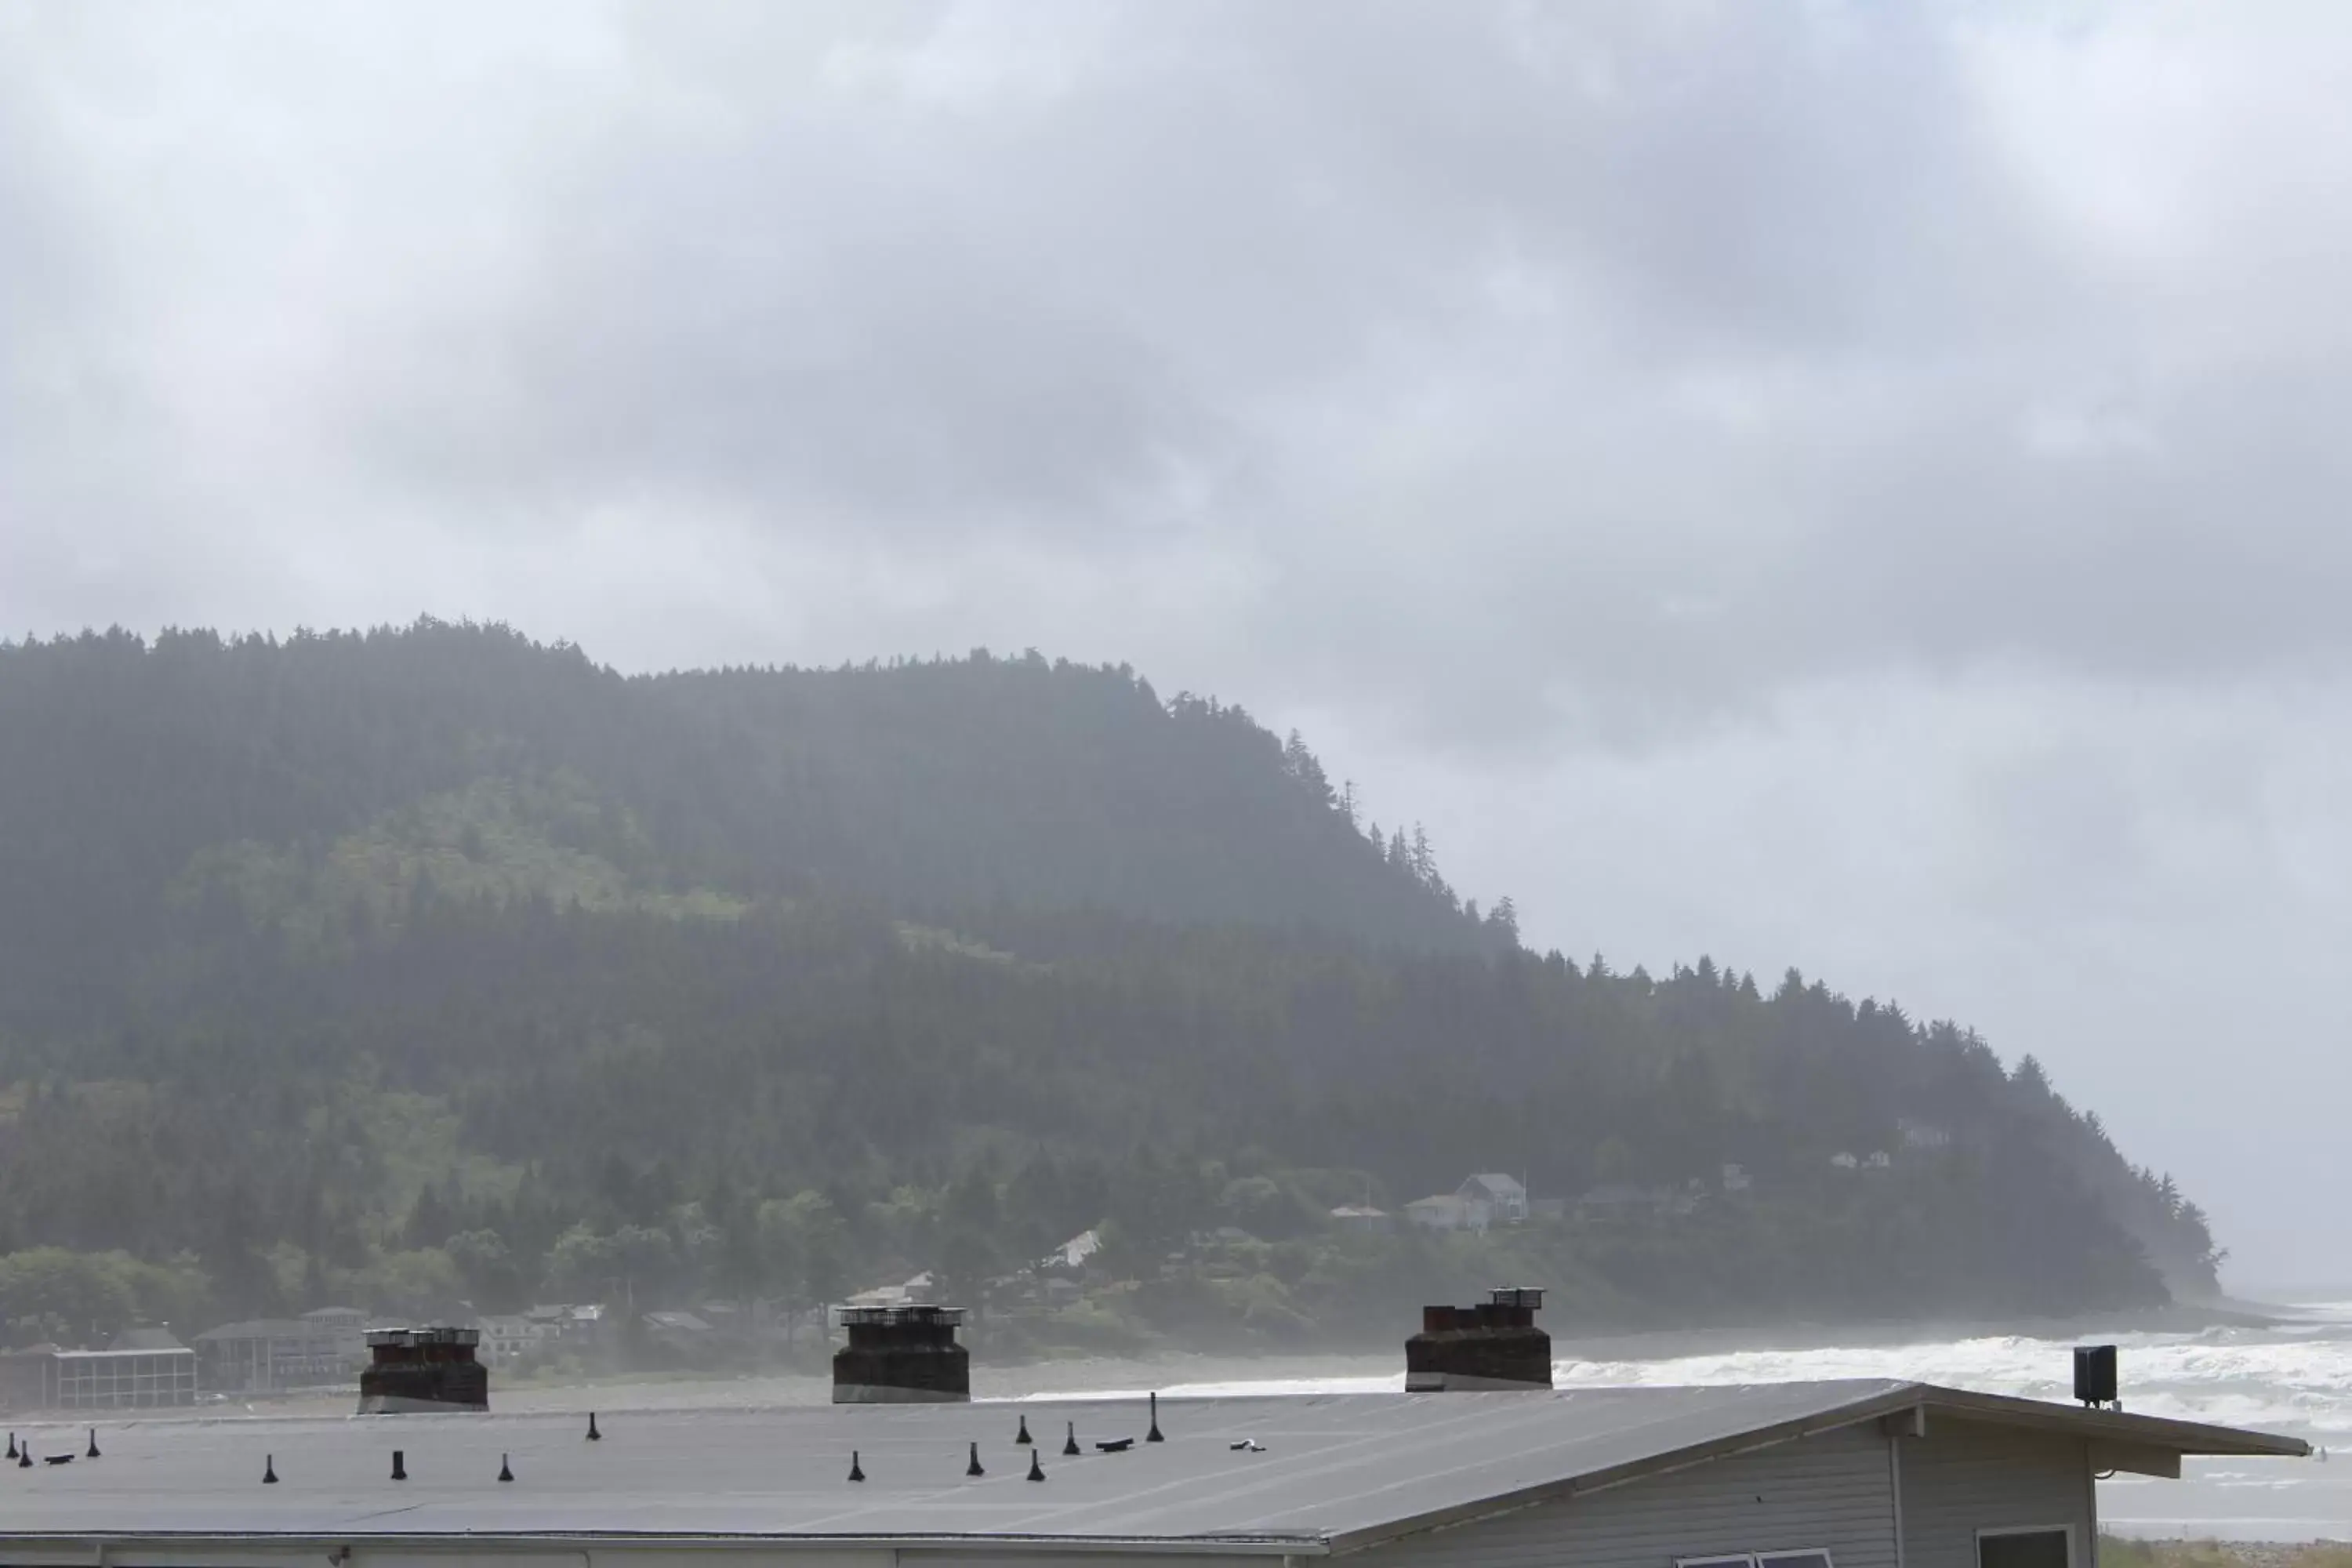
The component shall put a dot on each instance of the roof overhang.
(1689, 1458)
(2141, 1445)
(362, 1549)
(2113, 1427)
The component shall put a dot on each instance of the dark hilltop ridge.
(436, 970)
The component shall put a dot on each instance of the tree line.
(505, 1101)
(434, 964)
(922, 785)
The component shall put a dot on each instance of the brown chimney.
(422, 1370)
(901, 1355)
(1492, 1345)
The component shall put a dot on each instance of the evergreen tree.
(1505, 918)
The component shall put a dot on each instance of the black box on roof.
(2095, 1374)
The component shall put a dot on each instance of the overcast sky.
(1857, 486)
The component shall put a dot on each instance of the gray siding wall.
(1964, 1477)
(1834, 1491)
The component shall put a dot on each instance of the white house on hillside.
(1505, 1197)
(1074, 1253)
(1488, 1198)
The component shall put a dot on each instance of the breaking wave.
(2295, 1377)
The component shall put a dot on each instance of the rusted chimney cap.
(414, 1337)
(951, 1316)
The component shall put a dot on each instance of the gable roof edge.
(1813, 1423)
(1997, 1409)
(2150, 1431)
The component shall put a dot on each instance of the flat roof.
(1328, 1471)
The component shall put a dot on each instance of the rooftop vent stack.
(901, 1355)
(412, 1370)
(2094, 1376)
(1492, 1345)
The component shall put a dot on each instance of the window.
(1805, 1557)
(1736, 1560)
(2035, 1546)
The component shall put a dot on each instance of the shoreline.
(1570, 1343)
(2208, 1551)
(1182, 1372)
(1665, 1344)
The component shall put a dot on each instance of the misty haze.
(1188, 680)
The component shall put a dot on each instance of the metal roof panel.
(1337, 1469)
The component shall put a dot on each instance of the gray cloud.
(1697, 326)
(1849, 485)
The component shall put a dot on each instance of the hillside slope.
(436, 964)
(941, 785)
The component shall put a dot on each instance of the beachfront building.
(1803, 1475)
(508, 1336)
(565, 1325)
(272, 1356)
(147, 1377)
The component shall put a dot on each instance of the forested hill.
(434, 966)
(937, 785)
